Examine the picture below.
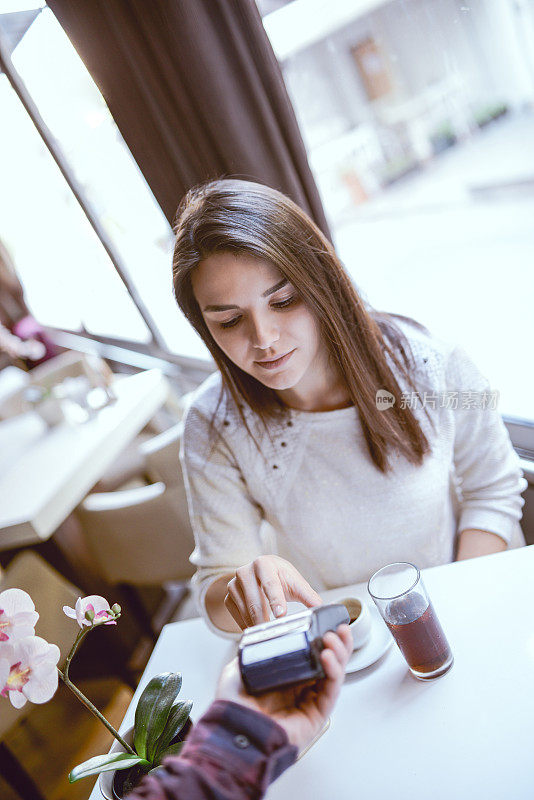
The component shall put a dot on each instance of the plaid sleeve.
(233, 753)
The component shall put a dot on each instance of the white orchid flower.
(5, 668)
(17, 615)
(31, 670)
(91, 610)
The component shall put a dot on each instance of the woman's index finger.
(271, 585)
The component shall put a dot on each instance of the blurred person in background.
(23, 341)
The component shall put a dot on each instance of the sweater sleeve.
(487, 467)
(232, 753)
(226, 520)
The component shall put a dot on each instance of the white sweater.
(314, 496)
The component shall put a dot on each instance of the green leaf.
(176, 720)
(153, 710)
(172, 750)
(111, 761)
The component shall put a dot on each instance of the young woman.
(333, 439)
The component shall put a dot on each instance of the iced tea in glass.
(403, 602)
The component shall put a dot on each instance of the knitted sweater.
(312, 494)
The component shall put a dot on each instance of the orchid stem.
(87, 703)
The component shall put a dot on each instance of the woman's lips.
(275, 362)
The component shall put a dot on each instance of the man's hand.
(301, 711)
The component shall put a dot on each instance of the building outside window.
(418, 118)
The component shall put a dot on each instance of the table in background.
(45, 473)
(467, 735)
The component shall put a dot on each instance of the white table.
(465, 736)
(45, 473)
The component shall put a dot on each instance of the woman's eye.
(285, 303)
(231, 323)
(278, 305)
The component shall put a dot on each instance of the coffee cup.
(360, 620)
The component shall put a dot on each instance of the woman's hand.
(301, 711)
(264, 585)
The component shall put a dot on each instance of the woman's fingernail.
(278, 611)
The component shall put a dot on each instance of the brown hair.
(243, 217)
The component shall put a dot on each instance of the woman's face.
(259, 321)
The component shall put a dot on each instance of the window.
(418, 118)
(66, 274)
(68, 277)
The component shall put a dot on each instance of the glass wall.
(68, 278)
(418, 118)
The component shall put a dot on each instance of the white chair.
(152, 457)
(50, 592)
(141, 537)
(128, 469)
(147, 459)
(161, 458)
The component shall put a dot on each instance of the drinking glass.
(400, 596)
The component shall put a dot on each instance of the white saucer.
(379, 642)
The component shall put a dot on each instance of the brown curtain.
(196, 92)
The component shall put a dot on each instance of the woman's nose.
(264, 333)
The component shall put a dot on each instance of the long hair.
(243, 217)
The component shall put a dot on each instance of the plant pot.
(124, 780)
(105, 780)
(110, 783)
